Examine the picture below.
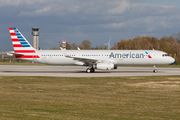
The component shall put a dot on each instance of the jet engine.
(105, 66)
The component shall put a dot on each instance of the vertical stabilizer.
(22, 48)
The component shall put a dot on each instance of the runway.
(79, 71)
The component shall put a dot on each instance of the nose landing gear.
(155, 70)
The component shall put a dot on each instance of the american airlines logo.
(126, 55)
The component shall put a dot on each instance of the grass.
(109, 98)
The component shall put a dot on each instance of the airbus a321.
(93, 59)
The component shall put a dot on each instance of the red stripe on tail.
(13, 34)
(15, 40)
(10, 28)
(24, 51)
(17, 45)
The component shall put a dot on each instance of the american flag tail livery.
(22, 48)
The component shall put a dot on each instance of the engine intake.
(105, 66)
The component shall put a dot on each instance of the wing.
(87, 61)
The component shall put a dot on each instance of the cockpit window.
(165, 55)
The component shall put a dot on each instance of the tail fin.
(22, 48)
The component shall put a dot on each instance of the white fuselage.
(117, 57)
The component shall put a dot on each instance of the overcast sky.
(96, 20)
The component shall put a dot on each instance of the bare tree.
(55, 48)
(68, 46)
(102, 47)
(167, 44)
(86, 45)
(74, 46)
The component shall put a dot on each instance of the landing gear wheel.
(155, 71)
(92, 70)
(88, 70)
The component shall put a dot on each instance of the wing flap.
(84, 60)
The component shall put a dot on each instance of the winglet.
(65, 54)
(78, 48)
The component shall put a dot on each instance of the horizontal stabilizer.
(11, 53)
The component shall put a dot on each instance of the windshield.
(165, 55)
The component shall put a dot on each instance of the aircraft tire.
(92, 70)
(155, 71)
(88, 70)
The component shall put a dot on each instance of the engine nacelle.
(105, 66)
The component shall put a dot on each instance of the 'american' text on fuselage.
(126, 55)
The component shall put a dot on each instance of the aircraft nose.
(172, 60)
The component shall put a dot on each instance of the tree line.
(85, 45)
(170, 45)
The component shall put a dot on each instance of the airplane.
(93, 59)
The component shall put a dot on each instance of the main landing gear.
(90, 70)
(155, 70)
